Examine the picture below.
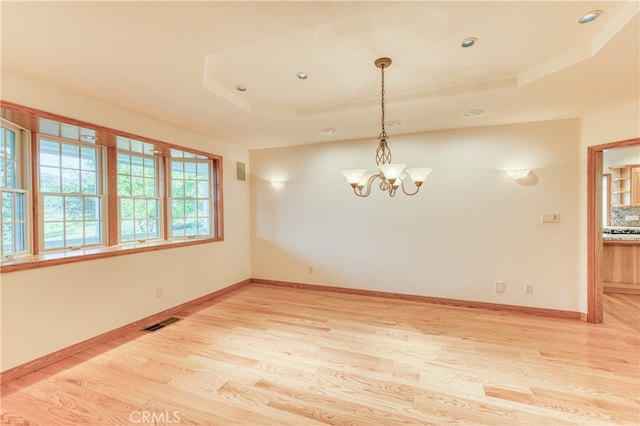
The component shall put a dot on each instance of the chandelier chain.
(383, 153)
(384, 133)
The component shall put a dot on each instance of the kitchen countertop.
(621, 233)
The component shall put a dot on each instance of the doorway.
(595, 294)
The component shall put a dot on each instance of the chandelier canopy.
(391, 175)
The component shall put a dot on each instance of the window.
(66, 131)
(70, 194)
(12, 192)
(190, 197)
(138, 191)
(98, 192)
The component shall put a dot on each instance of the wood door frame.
(594, 226)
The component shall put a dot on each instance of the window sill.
(72, 256)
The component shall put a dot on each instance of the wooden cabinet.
(625, 185)
(621, 267)
(635, 186)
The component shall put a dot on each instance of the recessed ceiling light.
(328, 131)
(393, 123)
(591, 16)
(302, 75)
(474, 113)
(241, 88)
(469, 41)
(88, 137)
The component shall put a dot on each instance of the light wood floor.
(622, 311)
(265, 355)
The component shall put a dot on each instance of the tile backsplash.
(620, 214)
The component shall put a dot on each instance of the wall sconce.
(517, 174)
(277, 184)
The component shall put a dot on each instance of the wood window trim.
(73, 256)
(27, 118)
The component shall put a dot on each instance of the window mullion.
(165, 194)
(112, 195)
(37, 223)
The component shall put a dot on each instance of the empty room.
(320, 212)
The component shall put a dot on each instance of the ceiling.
(179, 62)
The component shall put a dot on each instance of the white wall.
(468, 227)
(620, 156)
(610, 125)
(47, 309)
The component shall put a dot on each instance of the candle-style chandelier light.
(391, 175)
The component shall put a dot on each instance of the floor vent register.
(161, 324)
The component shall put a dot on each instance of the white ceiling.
(179, 62)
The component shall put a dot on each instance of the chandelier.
(391, 175)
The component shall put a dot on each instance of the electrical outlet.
(500, 286)
(550, 218)
(631, 217)
(528, 288)
(159, 292)
(311, 269)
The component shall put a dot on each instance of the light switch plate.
(550, 217)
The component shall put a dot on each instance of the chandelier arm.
(358, 192)
(410, 193)
(384, 184)
(368, 186)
